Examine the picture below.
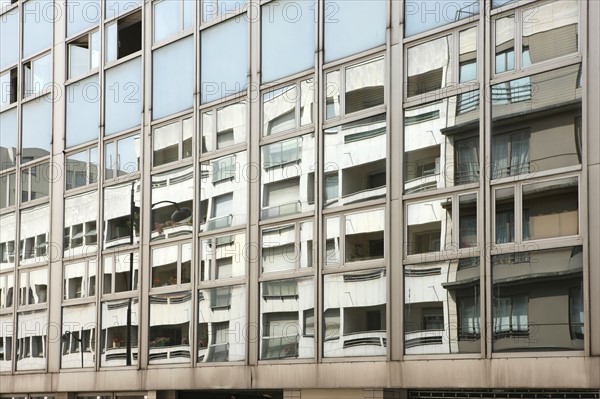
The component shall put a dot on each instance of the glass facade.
(194, 190)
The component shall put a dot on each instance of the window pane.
(37, 128)
(7, 331)
(426, 72)
(505, 215)
(128, 156)
(547, 134)
(170, 328)
(505, 44)
(341, 20)
(442, 307)
(467, 55)
(38, 75)
(118, 7)
(119, 333)
(429, 226)
(81, 212)
(354, 307)
(364, 236)
(167, 20)
(122, 214)
(8, 139)
(214, 8)
(35, 225)
(222, 320)
(172, 204)
(31, 340)
(9, 33)
(364, 85)
(467, 221)
(281, 332)
(81, 15)
(224, 72)
(38, 16)
(123, 94)
(356, 151)
(120, 272)
(173, 83)
(223, 200)
(83, 111)
(421, 16)
(525, 286)
(550, 209)
(8, 227)
(279, 251)
(286, 22)
(165, 142)
(550, 30)
(78, 334)
(279, 110)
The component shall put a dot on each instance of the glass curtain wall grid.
(207, 176)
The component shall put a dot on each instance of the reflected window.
(37, 75)
(35, 182)
(281, 330)
(7, 190)
(84, 54)
(80, 229)
(8, 231)
(79, 279)
(223, 257)
(222, 320)
(8, 88)
(33, 287)
(6, 290)
(78, 339)
(119, 333)
(8, 138)
(122, 217)
(170, 328)
(223, 192)
(122, 157)
(505, 215)
(525, 284)
(6, 341)
(279, 29)
(356, 152)
(172, 142)
(35, 227)
(223, 126)
(171, 265)
(120, 272)
(81, 168)
(288, 247)
(172, 204)
(354, 322)
(354, 88)
(288, 108)
(32, 341)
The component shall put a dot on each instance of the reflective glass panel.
(170, 328)
(6, 291)
(505, 215)
(429, 226)
(223, 257)
(364, 85)
(167, 19)
(119, 333)
(38, 75)
(35, 226)
(172, 203)
(7, 190)
(547, 134)
(121, 213)
(222, 324)
(31, 350)
(354, 316)
(80, 230)
(287, 177)
(356, 152)
(229, 127)
(441, 143)
(8, 139)
(287, 247)
(123, 96)
(113, 8)
(430, 66)
(79, 279)
(78, 335)
(442, 307)
(537, 300)
(286, 22)
(122, 157)
(7, 333)
(282, 307)
(224, 72)
(223, 192)
(8, 234)
(81, 15)
(364, 236)
(33, 287)
(214, 8)
(173, 82)
(171, 265)
(36, 128)
(172, 142)
(467, 55)
(9, 32)
(505, 43)
(38, 17)
(120, 272)
(341, 19)
(421, 16)
(83, 111)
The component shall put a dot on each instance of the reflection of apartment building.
(299, 199)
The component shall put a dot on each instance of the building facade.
(299, 199)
